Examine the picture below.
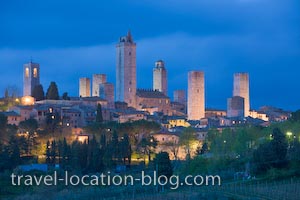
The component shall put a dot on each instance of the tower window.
(26, 72)
(35, 72)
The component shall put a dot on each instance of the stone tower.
(106, 91)
(97, 80)
(84, 87)
(179, 96)
(160, 77)
(235, 107)
(126, 70)
(31, 77)
(241, 88)
(196, 99)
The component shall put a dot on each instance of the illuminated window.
(27, 72)
(35, 72)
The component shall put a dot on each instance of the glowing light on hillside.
(289, 134)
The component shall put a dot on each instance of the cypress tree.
(52, 92)
(99, 117)
(38, 93)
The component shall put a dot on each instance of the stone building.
(235, 107)
(126, 70)
(213, 113)
(160, 77)
(150, 99)
(97, 80)
(31, 77)
(84, 87)
(241, 88)
(196, 98)
(179, 96)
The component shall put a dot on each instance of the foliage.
(163, 164)
(10, 154)
(52, 122)
(99, 117)
(38, 93)
(52, 92)
(146, 146)
(295, 116)
(29, 128)
(272, 154)
(65, 96)
(202, 150)
(187, 139)
(3, 125)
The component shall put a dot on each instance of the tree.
(295, 116)
(53, 152)
(38, 93)
(125, 149)
(48, 152)
(272, 154)
(147, 146)
(11, 91)
(204, 148)
(94, 159)
(52, 121)
(279, 145)
(29, 127)
(115, 147)
(3, 125)
(174, 148)
(52, 92)
(13, 151)
(65, 96)
(187, 139)
(99, 117)
(65, 154)
(163, 164)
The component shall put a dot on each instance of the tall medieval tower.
(196, 98)
(84, 87)
(126, 70)
(160, 77)
(241, 89)
(31, 77)
(97, 80)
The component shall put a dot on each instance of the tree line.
(90, 155)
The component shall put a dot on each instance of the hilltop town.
(121, 128)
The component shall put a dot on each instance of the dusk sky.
(73, 39)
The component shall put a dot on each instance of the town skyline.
(271, 59)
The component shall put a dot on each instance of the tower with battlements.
(196, 98)
(160, 77)
(241, 89)
(31, 77)
(126, 70)
(84, 87)
(97, 80)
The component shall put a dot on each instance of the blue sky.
(72, 39)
